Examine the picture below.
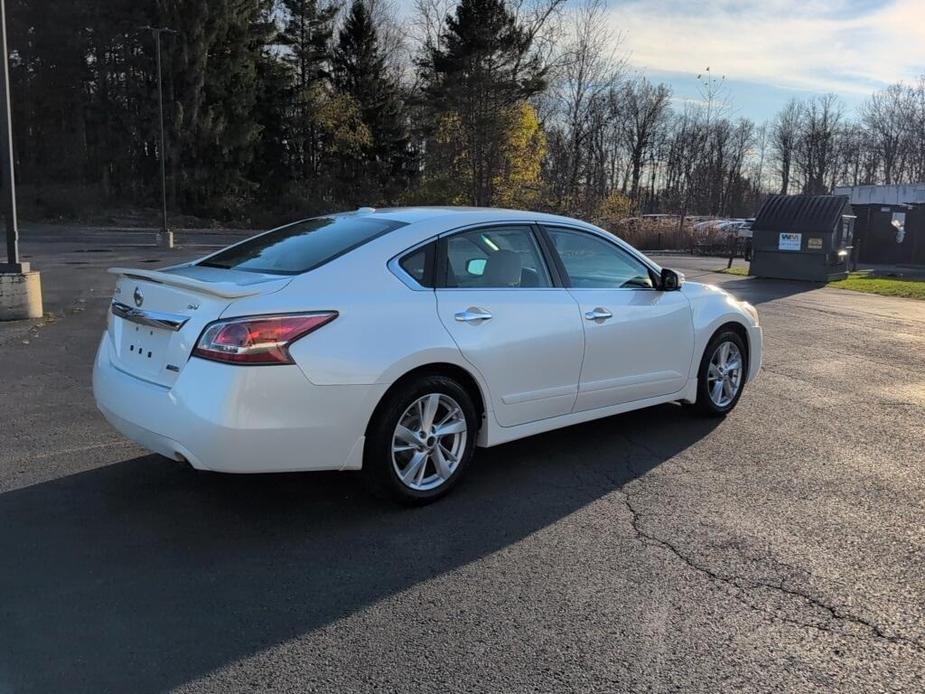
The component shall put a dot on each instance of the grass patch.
(735, 270)
(885, 286)
(861, 282)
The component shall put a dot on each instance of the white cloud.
(845, 46)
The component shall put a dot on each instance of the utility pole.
(166, 235)
(20, 286)
(6, 145)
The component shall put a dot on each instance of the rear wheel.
(420, 440)
(721, 377)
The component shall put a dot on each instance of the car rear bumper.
(238, 419)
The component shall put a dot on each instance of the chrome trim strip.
(570, 224)
(152, 319)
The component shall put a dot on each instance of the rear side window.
(303, 246)
(418, 265)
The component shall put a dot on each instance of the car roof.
(411, 215)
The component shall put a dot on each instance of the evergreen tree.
(210, 100)
(483, 67)
(307, 34)
(121, 101)
(381, 171)
(50, 70)
(270, 166)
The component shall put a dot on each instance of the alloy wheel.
(429, 442)
(724, 374)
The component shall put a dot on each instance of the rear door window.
(303, 246)
(494, 258)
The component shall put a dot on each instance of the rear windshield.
(303, 246)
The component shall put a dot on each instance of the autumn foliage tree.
(382, 168)
(477, 79)
(276, 109)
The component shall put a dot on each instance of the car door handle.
(473, 314)
(598, 314)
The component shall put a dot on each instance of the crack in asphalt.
(744, 585)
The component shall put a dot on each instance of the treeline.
(815, 146)
(279, 108)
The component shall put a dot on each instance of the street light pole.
(6, 156)
(157, 31)
(160, 109)
(20, 286)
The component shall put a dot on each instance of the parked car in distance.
(722, 237)
(395, 341)
(740, 228)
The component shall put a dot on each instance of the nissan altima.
(396, 341)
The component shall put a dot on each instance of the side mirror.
(476, 266)
(671, 280)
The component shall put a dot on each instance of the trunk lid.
(157, 315)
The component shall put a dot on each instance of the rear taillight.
(257, 339)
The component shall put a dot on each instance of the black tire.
(380, 473)
(705, 404)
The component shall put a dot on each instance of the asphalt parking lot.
(781, 549)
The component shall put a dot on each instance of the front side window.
(495, 257)
(593, 263)
(303, 246)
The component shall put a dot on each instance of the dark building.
(890, 226)
(802, 237)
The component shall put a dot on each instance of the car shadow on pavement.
(144, 575)
(759, 290)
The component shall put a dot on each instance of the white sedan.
(396, 341)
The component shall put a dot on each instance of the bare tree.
(427, 23)
(851, 153)
(817, 142)
(710, 173)
(886, 115)
(784, 134)
(645, 108)
(761, 142)
(740, 141)
(542, 20)
(689, 137)
(587, 68)
(916, 130)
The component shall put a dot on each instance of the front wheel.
(420, 440)
(721, 376)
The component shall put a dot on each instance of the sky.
(770, 50)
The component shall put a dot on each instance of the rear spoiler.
(226, 290)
